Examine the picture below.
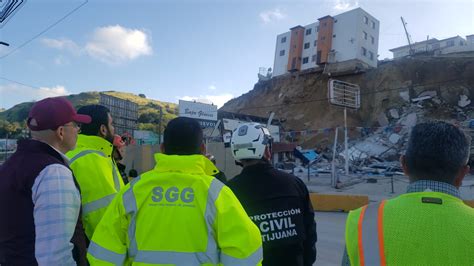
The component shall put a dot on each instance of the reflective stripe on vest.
(105, 254)
(114, 169)
(211, 255)
(84, 153)
(97, 204)
(116, 177)
(253, 259)
(370, 235)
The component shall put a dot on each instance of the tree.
(12, 129)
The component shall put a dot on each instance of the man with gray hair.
(428, 225)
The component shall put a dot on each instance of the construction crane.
(412, 52)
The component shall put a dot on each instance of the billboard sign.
(206, 114)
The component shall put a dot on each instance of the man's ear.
(203, 149)
(59, 132)
(103, 130)
(404, 164)
(162, 148)
(460, 177)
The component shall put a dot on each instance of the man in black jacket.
(277, 202)
(40, 202)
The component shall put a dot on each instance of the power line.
(20, 83)
(45, 30)
(327, 98)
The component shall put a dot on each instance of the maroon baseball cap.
(50, 113)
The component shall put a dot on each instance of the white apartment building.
(450, 45)
(347, 36)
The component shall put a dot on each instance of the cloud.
(62, 44)
(113, 45)
(60, 60)
(343, 5)
(272, 15)
(116, 44)
(16, 93)
(212, 88)
(218, 100)
(44, 92)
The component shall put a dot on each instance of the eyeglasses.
(74, 125)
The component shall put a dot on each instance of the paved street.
(330, 245)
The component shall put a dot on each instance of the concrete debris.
(405, 95)
(419, 99)
(394, 113)
(382, 119)
(436, 100)
(394, 138)
(376, 153)
(463, 101)
(410, 120)
(428, 93)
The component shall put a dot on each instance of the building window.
(325, 24)
(313, 58)
(306, 45)
(371, 56)
(305, 60)
(461, 43)
(372, 39)
(323, 38)
(283, 40)
(435, 46)
(364, 51)
(373, 25)
(335, 21)
(334, 36)
(450, 43)
(366, 20)
(317, 28)
(315, 43)
(308, 31)
(282, 52)
(365, 35)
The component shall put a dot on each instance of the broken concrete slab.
(428, 93)
(410, 120)
(436, 100)
(419, 99)
(364, 149)
(394, 113)
(463, 101)
(382, 119)
(394, 138)
(405, 95)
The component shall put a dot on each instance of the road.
(330, 245)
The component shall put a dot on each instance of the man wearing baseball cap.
(40, 203)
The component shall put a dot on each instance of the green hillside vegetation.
(12, 121)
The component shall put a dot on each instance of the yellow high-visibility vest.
(176, 214)
(98, 177)
(423, 228)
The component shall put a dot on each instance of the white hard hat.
(249, 141)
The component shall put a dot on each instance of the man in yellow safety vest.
(430, 224)
(91, 161)
(177, 213)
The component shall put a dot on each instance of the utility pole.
(408, 36)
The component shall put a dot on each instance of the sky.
(208, 50)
